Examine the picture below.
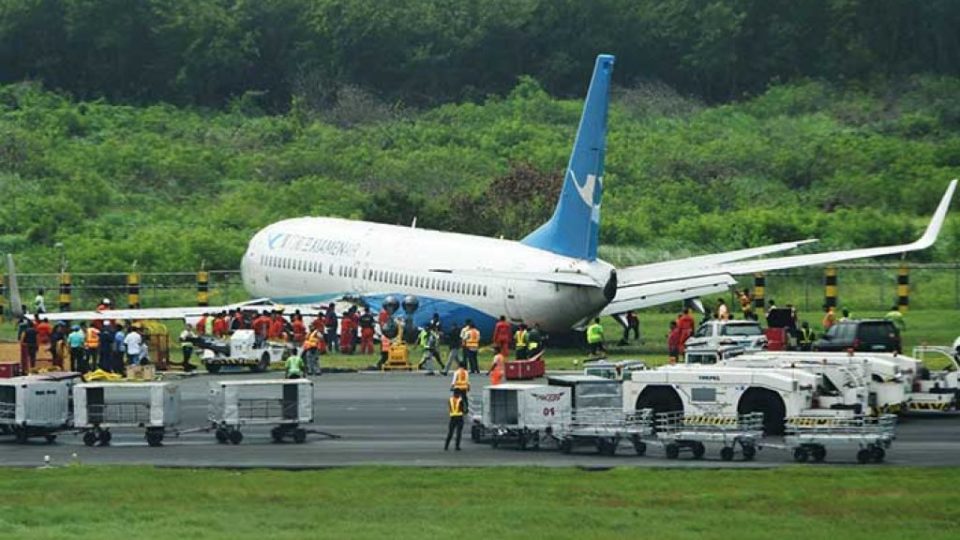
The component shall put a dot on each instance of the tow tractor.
(241, 349)
(936, 390)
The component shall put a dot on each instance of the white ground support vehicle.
(34, 406)
(678, 432)
(285, 404)
(711, 355)
(597, 417)
(241, 349)
(101, 406)
(525, 413)
(936, 390)
(716, 333)
(616, 371)
(809, 438)
(843, 374)
(726, 390)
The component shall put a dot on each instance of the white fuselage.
(310, 260)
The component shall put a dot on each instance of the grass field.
(142, 502)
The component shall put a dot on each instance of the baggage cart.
(284, 404)
(810, 437)
(102, 406)
(605, 428)
(34, 407)
(678, 433)
(524, 413)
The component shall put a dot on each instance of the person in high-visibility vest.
(829, 317)
(497, 369)
(294, 365)
(461, 384)
(520, 342)
(595, 337)
(805, 337)
(535, 339)
(457, 408)
(471, 344)
(384, 351)
(92, 345)
(501, 336)
(311, 353)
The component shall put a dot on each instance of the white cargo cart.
(284, 403)
(605, 428)
(678, 432)
(34, 407)
(102, 406)
(809, 437)
(524, 413)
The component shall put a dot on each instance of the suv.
(715, 334)
(871, 335)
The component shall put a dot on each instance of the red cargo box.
(9, 370)
(520, 370)
(776, 339)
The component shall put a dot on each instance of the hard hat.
(106, 300)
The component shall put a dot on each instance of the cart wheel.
(800, 454)
(566, 446)
(639, 446)
(522, 440)
(263, 364)
(276, 434)
(475, 434)
(105, 438)
(726, 453)
(51, 438)
(864, 455)
(878, 453)
(611, 447)
(672, 451)
(155, 438)
(299, 435)
(20, 434)
(221, 435)
(699, 450)
(749, 452)
(819, 453)
(89, 438)
(235, 436)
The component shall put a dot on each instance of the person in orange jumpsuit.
(383, 317)
(685, 324)
(346, 334)
(497, 369)
(276, 327)
(299, 330)
(201, 325)
(501, 336)
(366, 332)
(43, 331)
(220, 325)
(261, 328)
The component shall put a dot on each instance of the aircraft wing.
(681, 279)
(171, 313)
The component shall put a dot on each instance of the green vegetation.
(142, 502)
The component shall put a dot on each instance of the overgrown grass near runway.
(816, 502)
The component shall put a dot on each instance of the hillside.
(168, 187)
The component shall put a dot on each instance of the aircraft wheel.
(276, 434)
(566, 446)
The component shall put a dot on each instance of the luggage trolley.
(286, 404)
(524, 413)
(34, 407)
(678, 432)
(605, 428)
(809, 437)
(100, 406)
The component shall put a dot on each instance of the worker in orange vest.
(366, 332)
(311, 351)
(471, 344)
(501, 336)
(457, 408)
(384, 351)
(497, 368)
(92, 344)
(461, 384)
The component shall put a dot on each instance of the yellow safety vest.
(312, 340)
(461, 380)
(520, 338)
(455, 409)
(93, 338)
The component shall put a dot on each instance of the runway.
(401, 419)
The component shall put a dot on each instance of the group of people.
(103, 344)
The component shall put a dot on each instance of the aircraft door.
(512, 301)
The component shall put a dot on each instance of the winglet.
(936, 222)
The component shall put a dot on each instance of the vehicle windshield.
(741, 330)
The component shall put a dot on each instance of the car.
(714, 334)
(867, 335)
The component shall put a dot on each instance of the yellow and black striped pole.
(66, 290)
(133, 290)
(203, 288)
(759, 292)
(903, 288)
(830, 287)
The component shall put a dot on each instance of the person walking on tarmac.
(454, 341)
(461, 384)
(520, 342)
(805, 337)
(456, 406)
(497, 368)
(294, 366)
(471, 344)
(501, 336)
(430, 341)
(366, 331)
(595, 337)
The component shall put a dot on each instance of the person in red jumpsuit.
(366, 332)
(686, 324)
(276, 327)
(501, 336)
(673, 342)
(346, 334)
(299, 330)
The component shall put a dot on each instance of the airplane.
(552, 277)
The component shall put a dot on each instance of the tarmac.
(401, 419)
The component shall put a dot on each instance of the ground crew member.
(384, 350)
(75, 341)
(673, 342)
(845, 315)
(896, 318)
(186, 346)
(106, 349)
(595, 337)
(535, 339)
(501, 336)
(39, 304)
(461, 384)
(330, 323)
(311, 351)
(497, 368)
(275, 331)
(454, 341)
(383, 317)
(366, 331)
(29, 340)
(237, 322)
(43, 330)
(92, 345)
(456, 406)
(829, 317)
(208, 324)
(261, 329)
(136, 348)
(686, 325)
(471, 344)
(633, 325)
(723, 312)
(805, 337)
(57, 348)
(746, 305)
(299, 330)
(294, 365)
(430, 341)
(201, 325)
(346, 333)
(521, 343)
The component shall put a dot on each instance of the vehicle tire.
(221, 435)
(475, 434)
(609, 447)
(566, 446)
(235, 436)
(212, 368)
(263, 364)
(767, 402)
(726, 453)
(818, 453)
(105, 438)
(50, 437)
(661, 399)
(877, 453)
(522, 440)
(155, 438)
(800, 454)
(699, 450)
(672, 451)
(299, 435)
(749, 452)
(863, 456)
(89, 438)
(639, 446)
(276, 434)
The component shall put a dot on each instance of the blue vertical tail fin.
(574, 228)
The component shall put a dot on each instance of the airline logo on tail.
(586, 193)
